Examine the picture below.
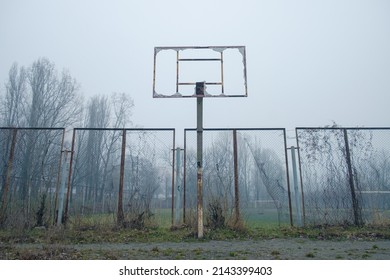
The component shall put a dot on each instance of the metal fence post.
(178, 187)
(173, 181)
(300, 178)
(62, 188)
(4, 199)
(355, 202)
(296, 192)
(120, 215)
(184, 177)
(68, 191)
(236, 190)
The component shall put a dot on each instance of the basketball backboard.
(177, 70)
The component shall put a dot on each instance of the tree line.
(40, 96)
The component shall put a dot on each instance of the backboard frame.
(220, 50)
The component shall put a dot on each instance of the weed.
(215, 216)
(365, 256)
(168, 252)
(41, 212)
(198, 252)
(109, 255)
(310, 255)
(275, 253)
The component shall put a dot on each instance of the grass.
(106, 234)
(102, 229)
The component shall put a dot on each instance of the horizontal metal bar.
(207, 83)
(340, 128)
(127, 129)
(34, 128)
(376, 192)
(238, 129)
(198, 47)
(235, 95)
(192, 96)
(199, 59)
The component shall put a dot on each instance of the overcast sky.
(308, 62)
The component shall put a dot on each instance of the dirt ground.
(292, 248)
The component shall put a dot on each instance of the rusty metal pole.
(357, 212)
(178, 187)
(120, 214)
(60, 198)
(184, 178)
(4, 199)
(301, 179)
(69, 178)
(288, 178)
(199, 91)
(173, 179)
(59, 176)
(296, 191)
(236, 190)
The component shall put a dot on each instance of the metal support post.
(199, 90)
(173, 183)
(357, 211)
(178, 187)
(184, 179)
(62, 188)
(296, 193)
(301, 180)
(120, 214)
(68, 191)
(236, 190)
(6, 187)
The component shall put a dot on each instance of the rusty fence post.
(4, 199)
(69, 178)
(357, 211)
(120, 214)
(237, 217)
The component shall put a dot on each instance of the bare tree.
(10, 111)
(122, 105)
(99, 150)
(53, 100)
(38, 97)
(11, 107)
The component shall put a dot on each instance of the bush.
(215, 217)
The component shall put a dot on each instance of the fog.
(309, 63)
